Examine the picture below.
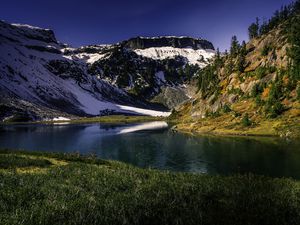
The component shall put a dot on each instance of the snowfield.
(198, 57)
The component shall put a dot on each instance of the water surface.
(154, 145)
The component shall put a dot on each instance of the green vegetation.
(13, 161)
(116, 119)
(226, 108)
(294, 39)
(257, 90)
(208, 81)
(101, 119)
(253, 29)
(273, 106)
(262, 71)
(235, 46)
(86, 190)
(246, 122)
(266, 49)
(241, 59)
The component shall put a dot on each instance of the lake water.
(154, 145)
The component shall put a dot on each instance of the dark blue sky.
(108, 21)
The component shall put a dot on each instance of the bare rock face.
(171, 97)
(247, 87)
(232, 98)
(176, 42)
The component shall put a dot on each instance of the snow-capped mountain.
(41, 76)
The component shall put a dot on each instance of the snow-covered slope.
(91, 80)
(199, 57)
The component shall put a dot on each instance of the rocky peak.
(167, 41)
(17, 31)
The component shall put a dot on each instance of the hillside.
(41, 78)
(254, 89)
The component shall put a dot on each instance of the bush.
(256, 90)
(274, 109)
(266, 49)
(246, 122)
(258, 101)
(261, 72)
(226, 108)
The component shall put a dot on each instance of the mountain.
(254, 89)
(42, 78)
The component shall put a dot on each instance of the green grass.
(99, 119)
(12, 161)
(85, 190)
(117, 119)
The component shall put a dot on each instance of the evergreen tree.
(264, 28)
(253, 29)
(241, 61)
(294, 40)
(235, 46)
(218, 60)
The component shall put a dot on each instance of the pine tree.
(253, 29)
(218, 60)
(240, 66)
(294, 40)
(235, 46)
(264, 28)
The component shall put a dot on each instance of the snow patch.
(146, 112)
(90, 58)
(199, 57)
(27, 26)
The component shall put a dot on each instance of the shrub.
(266, 49)
(274, 109)
(256, 90)
(236, 91)
(258, 101)
(261, 72)
(246, 122)
(226, 108)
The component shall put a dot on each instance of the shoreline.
(266, 128)
(103, 119)
(280, 128)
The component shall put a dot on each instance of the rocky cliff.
(168, 41)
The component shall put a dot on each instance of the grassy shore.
(46, 188)
(224, 126)
(231, 123)
(115, 119)
(99, 119)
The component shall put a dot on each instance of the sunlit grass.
(99, 119)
